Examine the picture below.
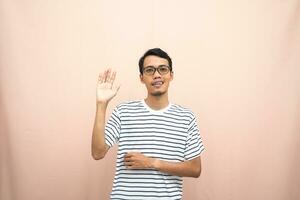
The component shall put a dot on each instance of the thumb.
(116, 87)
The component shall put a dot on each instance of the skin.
(157, 98)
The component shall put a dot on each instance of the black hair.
(154, 52)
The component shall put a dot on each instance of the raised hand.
(106, 89)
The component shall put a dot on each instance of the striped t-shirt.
(169, 134)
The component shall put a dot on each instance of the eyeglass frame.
(157, 69)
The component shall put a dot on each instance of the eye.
(164, 69)
(149, 70)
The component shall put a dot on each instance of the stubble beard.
(158, 94)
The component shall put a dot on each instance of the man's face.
(156, 84)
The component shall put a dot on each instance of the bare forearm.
(99, 147)
(189, 168)
(184, 169)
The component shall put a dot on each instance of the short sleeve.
(113, 128)
(194, 145)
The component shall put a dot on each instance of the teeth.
(157, 83)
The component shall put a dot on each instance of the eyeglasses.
(162, 70)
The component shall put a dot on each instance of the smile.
(157, 83)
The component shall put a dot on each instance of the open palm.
(106, 89)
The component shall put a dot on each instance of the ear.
(142, 78)
(171, 75)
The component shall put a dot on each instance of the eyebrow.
(158, 66)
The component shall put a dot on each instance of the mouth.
(157, 83)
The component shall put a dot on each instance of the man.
(159, 142)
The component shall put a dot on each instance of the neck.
(157, 102)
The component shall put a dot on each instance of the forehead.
(155, 61)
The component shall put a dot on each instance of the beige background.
(236, 66)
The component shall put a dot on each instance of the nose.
(156, 74)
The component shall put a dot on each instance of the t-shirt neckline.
(155, 111)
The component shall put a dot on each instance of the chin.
(158, 93)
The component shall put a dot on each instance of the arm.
(105, 92)
(189, 168)
(99, 148)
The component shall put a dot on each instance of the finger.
(105, 76)
(100, 78)
(127, 159)
(127, 163)
(108, 75)
(127, 156)
(116, 87)
(113, 77)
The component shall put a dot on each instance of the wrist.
(155, 164)
(101, 104)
